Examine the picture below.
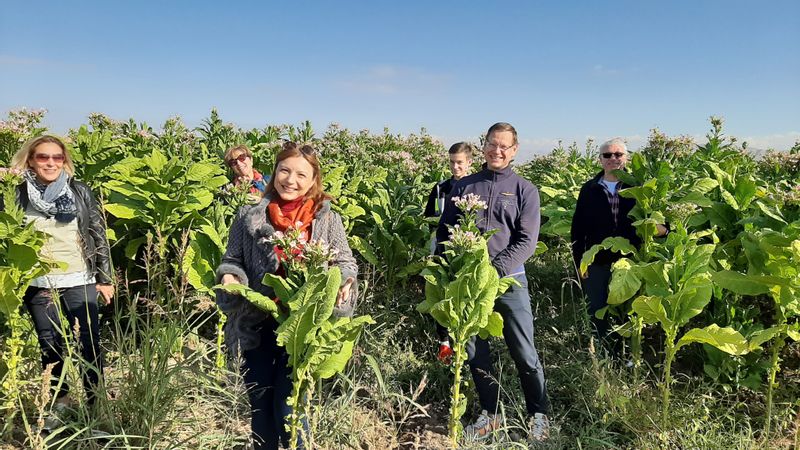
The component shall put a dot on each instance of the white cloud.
(387, 79)
(11, 61)
(780, 141)
(600, 69)
(15, 61)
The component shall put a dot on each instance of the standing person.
(240, 159)
(600, 213)
(460, 157)
(64, 208)
(294, 199)
(513, 211)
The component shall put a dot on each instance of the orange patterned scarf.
(285, 215)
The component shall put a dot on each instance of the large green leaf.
(614, 244)
(120, 211)
(10, 298)
(651, 310)
(739, 283)
(691, 299)
(726, 339)
(625, 282)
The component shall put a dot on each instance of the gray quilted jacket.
(249, 256)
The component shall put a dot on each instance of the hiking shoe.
(54, 418)
(539, 427)
(484, 426)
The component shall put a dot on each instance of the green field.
(732, 261)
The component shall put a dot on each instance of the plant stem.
(11, 380)
(456, 398)
(294, 420)
(665, 388)
(773, 371)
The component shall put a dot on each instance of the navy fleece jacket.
(513, 210)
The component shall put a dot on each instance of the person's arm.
(104, 275)
(231, 269)
(346, 302)
(524, 241)
(430, 206)
(450, 215)
(578, 228)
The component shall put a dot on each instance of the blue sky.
(556, 70)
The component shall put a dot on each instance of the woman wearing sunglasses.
(600, 213)
(240, 160)
(64, 208)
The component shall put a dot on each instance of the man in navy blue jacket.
(513, 210)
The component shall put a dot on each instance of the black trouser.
(515, 307)
(267, 372)
(79, 304)
(596, 288)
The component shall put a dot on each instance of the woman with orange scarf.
(293, 199)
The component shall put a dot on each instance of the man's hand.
(445, 355)
(106, 292)
(230, 278)
(661, 230)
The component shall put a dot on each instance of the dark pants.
(515, 307)
(267, 374)
(596, 288)
(78, 304)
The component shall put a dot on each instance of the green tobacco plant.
(157, 200)
(20, 244)
(318, 343)
(669, 292)
(773, 270)
(394, 230)
(460, 290)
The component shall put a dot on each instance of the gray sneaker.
(483, 427)
(539, 427)
(54, 418)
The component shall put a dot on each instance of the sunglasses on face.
(609, 154)
(42, 157)
(240, 159)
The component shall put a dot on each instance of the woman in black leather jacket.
(68, 212)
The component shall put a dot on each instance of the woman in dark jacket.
(68, 212)
(601, 213)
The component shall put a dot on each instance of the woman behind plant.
(66, 210)
(240, 160)
(294, 199)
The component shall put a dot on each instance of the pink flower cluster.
(463, 240)
(22, 122)
(470, 203)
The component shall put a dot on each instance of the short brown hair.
(462, 147)
(307, 152)
(502, 126)
(24, 154)
(237, 148)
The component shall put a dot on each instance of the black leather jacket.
(92, 226)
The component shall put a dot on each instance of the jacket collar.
(599, 176)
(256, 217)
(497, 175)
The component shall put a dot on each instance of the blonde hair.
(23, 156)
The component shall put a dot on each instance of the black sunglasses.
(608, 155)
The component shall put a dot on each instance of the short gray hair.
(614, 141)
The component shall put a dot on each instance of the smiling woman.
(294, 201)
(67, 211)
